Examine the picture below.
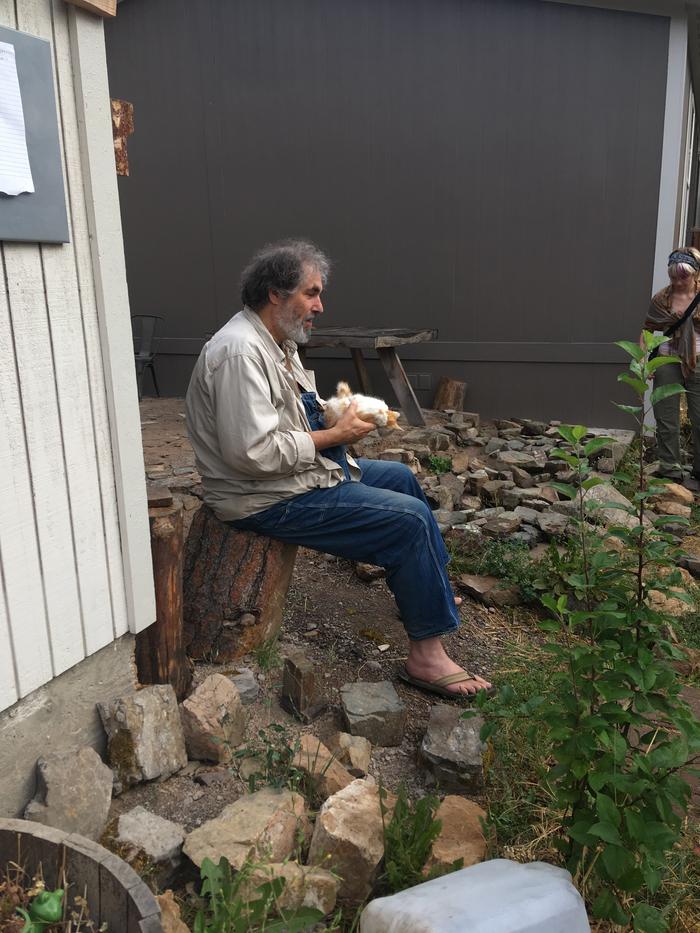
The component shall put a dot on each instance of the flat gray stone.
(452, 751)
(527, 515)
(444, 517)
(495, 444)
(502, 525)
(375, 711)
(246, 684)
(553, 525)
(161, 840)
(74, 792)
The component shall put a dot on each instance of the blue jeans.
(385, 520)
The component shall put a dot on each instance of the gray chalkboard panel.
(41, 216)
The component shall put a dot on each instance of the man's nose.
(318, 307)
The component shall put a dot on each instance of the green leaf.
(659, 361)
(648, 919)
(567, 432)
(617, 861)
(666, 392)
(579, 432)
(634, 350)
(596, 444)
(607, 809)
(607, 907)
(566, 489)
(652, 341)
(638, 385)
(606, 831)
(630, 409)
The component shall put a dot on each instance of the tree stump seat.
(234, 589)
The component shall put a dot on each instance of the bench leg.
(401, 386)
(361, 370)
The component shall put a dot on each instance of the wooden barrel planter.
(114, 892)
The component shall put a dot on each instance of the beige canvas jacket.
(247, 425)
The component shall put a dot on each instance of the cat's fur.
(369, 409)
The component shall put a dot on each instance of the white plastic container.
(498, 896)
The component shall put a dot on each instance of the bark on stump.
(235, 588)
(449, 394)
(160, 650)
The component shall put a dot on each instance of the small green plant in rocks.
(272, 753)
(229, 909)
(267, 655)
(438, 464)
(619, 734)
(408, 840)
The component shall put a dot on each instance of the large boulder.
(213, 720)
(74, 792)
(266, 825)
(349, 838)
(144, 735)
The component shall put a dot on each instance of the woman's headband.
(684, 256)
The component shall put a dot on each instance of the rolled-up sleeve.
(247, 423)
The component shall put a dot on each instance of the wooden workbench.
(385, 342)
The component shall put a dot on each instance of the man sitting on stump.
(269, 465)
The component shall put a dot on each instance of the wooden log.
(449, 394)
(235, 588)
(160, 649)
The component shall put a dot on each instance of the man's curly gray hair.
(280, 267)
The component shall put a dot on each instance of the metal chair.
(143, 328)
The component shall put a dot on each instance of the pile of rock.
(500, 486)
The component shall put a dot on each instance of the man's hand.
(351, 427)
(347, 429)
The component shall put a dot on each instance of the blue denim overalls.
(314, 412)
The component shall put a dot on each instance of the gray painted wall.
(486, 167)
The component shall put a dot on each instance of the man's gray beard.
(292, 327)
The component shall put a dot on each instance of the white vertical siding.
(64, 592)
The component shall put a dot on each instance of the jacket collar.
(288, 348)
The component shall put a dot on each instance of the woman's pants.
(383, 519)
(667, 414)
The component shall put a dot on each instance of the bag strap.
(681, 320)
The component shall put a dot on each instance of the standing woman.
(667, 307)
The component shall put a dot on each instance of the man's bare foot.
(458, 600)
(427, 660)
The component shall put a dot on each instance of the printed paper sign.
(15, 171)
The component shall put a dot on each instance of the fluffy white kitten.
(369, 409)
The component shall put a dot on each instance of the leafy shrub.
(620, 734)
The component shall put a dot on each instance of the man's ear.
(274, 297)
